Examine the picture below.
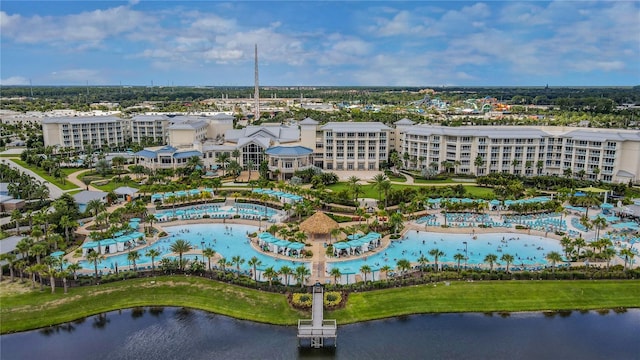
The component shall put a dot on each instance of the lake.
(178, 333)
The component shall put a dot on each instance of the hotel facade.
(610, 155)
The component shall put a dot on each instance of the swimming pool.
(527, 250)
(228, 240)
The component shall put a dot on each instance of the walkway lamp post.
(466, 255)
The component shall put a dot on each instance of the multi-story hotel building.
(77, 132)
(609, 155)
(149, 128)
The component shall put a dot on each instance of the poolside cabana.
(318, 223)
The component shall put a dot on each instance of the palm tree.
(385, 187)
(96, 258)
(223, 263)
(599, 222)
(365, 269)
(302, 272)
(385, 269)
(16, 216)
(608, 254)
(286, 271)
(403, 265)
(270, 274)
(478, 162)
(67, 223)
(153, 254)
(74, 270)
(628, 256)
(508, 259)
(237, 260)
(236, 154)
(10, 259)
(436, 253)
(579, 243)
(209, 253)
(422, 260)
(249, 166)
(133, 256)
(254, 262)
(336, 273)
(377, 183)
(491, 259)
(554, 257)
(180, 247)
(458, 257)
(223, 159)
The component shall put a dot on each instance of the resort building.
(77, 132)
(610, 155)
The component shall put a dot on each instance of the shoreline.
(173, 291)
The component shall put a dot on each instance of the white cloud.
(14, 80)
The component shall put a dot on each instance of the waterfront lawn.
(489, 296)
(64, 185)
(34, 309)
(368, 191)
(112, 185)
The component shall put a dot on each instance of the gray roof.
(188, 125)
(4, 187)
(288, 151)
(82, 120)
(8, 244)
(603, 135)
(308, 121)
(356, 126)
(125, 190)
(404, 121)
(498, 132)
(275, 133)
(150, 118)
(222, 116)
(83, 197)
(259, 140)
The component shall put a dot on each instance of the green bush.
(332, 298)
(301, 300)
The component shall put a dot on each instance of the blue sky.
(323, 43)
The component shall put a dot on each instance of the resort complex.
(607, 155)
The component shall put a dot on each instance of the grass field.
(370, 192)
(28, 309)
(66, 185)
(112, 185)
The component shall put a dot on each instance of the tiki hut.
(318, 223)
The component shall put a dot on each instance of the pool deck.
(319, 259)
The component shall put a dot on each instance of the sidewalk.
(54, 191)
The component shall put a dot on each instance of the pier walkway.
(317, 329)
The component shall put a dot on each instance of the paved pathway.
(73, 178)
(54, 191)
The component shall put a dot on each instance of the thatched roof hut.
(318, 223)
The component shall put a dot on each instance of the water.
(174, 333)
(528, 250)
(227, 240)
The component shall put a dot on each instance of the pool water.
(527, 250)
(228, 240)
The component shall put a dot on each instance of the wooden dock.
(317, 329)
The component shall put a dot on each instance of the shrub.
(301, 300)
(332, 298)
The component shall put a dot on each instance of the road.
(54, 191)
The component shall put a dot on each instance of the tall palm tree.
(599, 222)
(554, 257)
(403, 265)
(422, 260)
(270, 274)
(287, 272)
(377, 181)
(336, 273)
(237, 260)
(180, 247)
(133, 256)
(458, 257)
(74, 270)
(254, 262)
(385, 269)
(628, 256)
(153, 254)
(223, 159)
(302, 272)
(223, 263)
(508, 259)
(365, 269)
(67, 223)
(10, 259)
(96, 258)
(436, 253)
(478, 162)
(209, 253)
(16, 216)
(491, 259)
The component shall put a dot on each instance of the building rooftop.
(355, 126)
(288, 151)
(82, 120)
(500, 132)
(308, 121)
(84, 196)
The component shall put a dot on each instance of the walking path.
(54, 191)
(73, 178)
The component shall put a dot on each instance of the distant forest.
(594, 99)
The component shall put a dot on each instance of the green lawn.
(66, 185)
(36, 309)
(370, 192)
(112, 185)
(489, 296)
(428, 181)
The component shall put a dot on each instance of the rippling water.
(176, 333)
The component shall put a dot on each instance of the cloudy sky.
(391, 43)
